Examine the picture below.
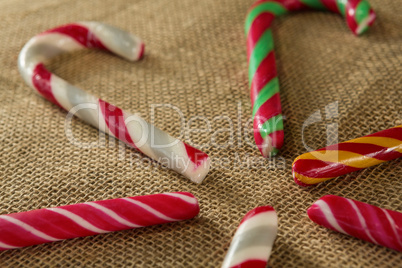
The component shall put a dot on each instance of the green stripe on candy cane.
(342, 6)
(263, 47)
(271, 125)
(363, 16)
(270, 89)
(313, 4)
(272, 7)
(362, 11)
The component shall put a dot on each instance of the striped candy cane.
(367, 222)
(53, 224)
(131, 129)
(342, 158)
(263, 80)
(253, 240)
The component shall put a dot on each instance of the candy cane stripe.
(80, 34)
(329, 216)
(113, 215)
(29, 228)
(392, 224)
(78, 220)
(362, 221)
(150, 209)
(4, 246)
(188, 199)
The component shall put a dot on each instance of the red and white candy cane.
(129, 128)
(252, 243)
(53, 224)
(364, 221)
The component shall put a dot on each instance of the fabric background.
(195, 60)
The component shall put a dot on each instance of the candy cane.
(131, 129)
(52, 224)
(263, 80)
(253, 240)
(342, 158)
(367, 222)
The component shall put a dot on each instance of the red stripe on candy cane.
(41, 80)
(80, 34)
(114, 119)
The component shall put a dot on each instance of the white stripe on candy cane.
(29, 228)
(329, 216)
(78, 220)
(362, 220)
(392, 223)
(6, 246)
(186, 198)
(260, 219)
(149, 209)
(112, 215)
(234, 257)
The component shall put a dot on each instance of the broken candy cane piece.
(52, 224)
(342, 158)
(253, 240)
(367, 222)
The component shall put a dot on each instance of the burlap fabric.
(196, 62)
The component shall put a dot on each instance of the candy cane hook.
(130, 129)
(263, 80)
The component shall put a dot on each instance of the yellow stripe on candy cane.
(344, 157)
(309, 180)
(391, 143)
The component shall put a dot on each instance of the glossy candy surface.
(342, 158)
(263, 79)
(129, 128)
(253, 240)
(367, 222)
(52, 224)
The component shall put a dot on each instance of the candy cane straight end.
(200, 172)
(365, 24)
(198, 164)
(296, 178)
(252, 243)
(142, 51)
(267, 147)
(361, 220)
(359, 16)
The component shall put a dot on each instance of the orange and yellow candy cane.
(342, 158)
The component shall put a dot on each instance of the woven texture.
(195, 60)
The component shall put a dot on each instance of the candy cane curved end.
(131, 129)
(263, 79)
